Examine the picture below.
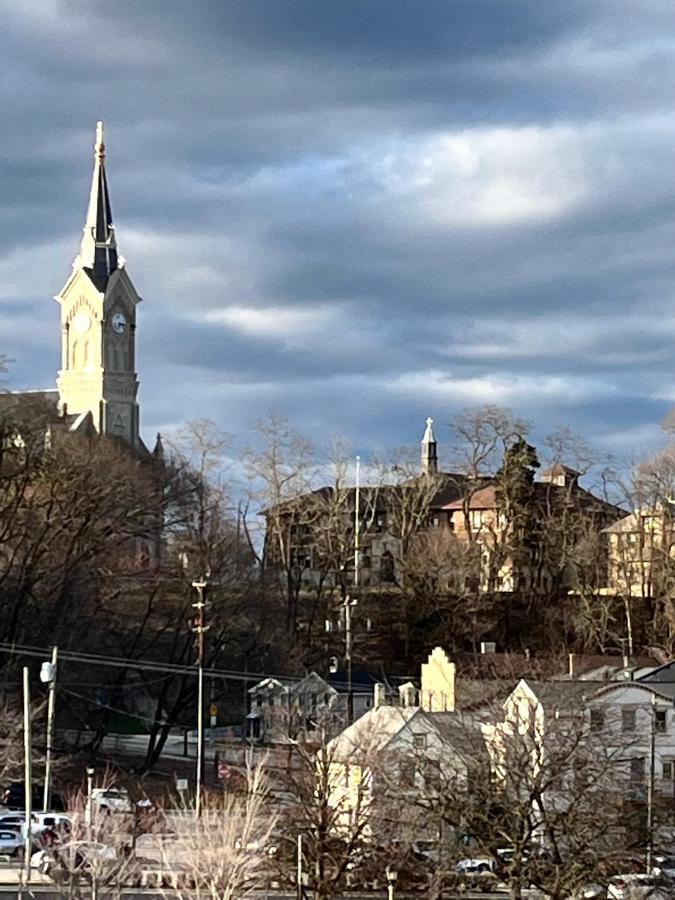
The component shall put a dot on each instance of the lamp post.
(199, 628)
(28, 776)
(650, 783)
(392, 875)
(90, 790)
(349, 604)
(48, 676)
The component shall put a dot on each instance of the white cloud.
(486, 177)
(280, 322)
(500, 388)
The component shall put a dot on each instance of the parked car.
(40, 822)
(14, 797)
(11, 842)
(13, 821)
(639, 885)
(475, 865)
(111, 800)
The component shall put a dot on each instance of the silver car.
(11, 842)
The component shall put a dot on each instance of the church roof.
(98, 250)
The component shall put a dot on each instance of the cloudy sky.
(356, 212)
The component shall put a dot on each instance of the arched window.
(86, 353)
(74, 355)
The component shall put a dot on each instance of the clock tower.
(98, 323)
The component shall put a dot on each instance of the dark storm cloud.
(356, 213)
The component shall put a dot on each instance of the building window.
(407, 774)
(597, 719)
(420, 741)
(667, 770)
(637, 769)
(387, 569)
(627, 720)
(660, 721)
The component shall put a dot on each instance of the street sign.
(181, 784)
(213, 709)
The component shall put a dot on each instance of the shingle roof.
(371, 732)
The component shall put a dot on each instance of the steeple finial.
(429, 458)
(99, 146)
(98, 250)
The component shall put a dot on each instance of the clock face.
(82, 322)
(119, 323)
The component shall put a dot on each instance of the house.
(398, 761)
(431, 514)
(641, 552)
(554, 732)
(280, 709)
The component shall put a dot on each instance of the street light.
(199, 628)
(90, 787)
(392, 875)
(48, 676)
(349, 604)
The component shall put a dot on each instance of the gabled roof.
(554, 694)
(371, 733)
(457, 731)
(631, 522)
(269, 684)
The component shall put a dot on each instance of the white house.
(397, 761)
(280, 709)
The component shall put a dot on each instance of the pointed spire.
(98, 251)
(429, 432)
(429, 460)
(158, 452)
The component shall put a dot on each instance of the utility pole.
(199, 628)
(357, 524)
(349, 602)
(28, 776)
(650, 783)
(298, 868)
(48, 674)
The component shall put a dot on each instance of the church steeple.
(98, 323)
(429, 459)
(98, 250)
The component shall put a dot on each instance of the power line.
(97, 659)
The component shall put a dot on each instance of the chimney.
(407, 694)
(438, 683)
(378, 695)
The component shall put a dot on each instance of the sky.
(356, 213)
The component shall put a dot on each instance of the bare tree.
(226, 853)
